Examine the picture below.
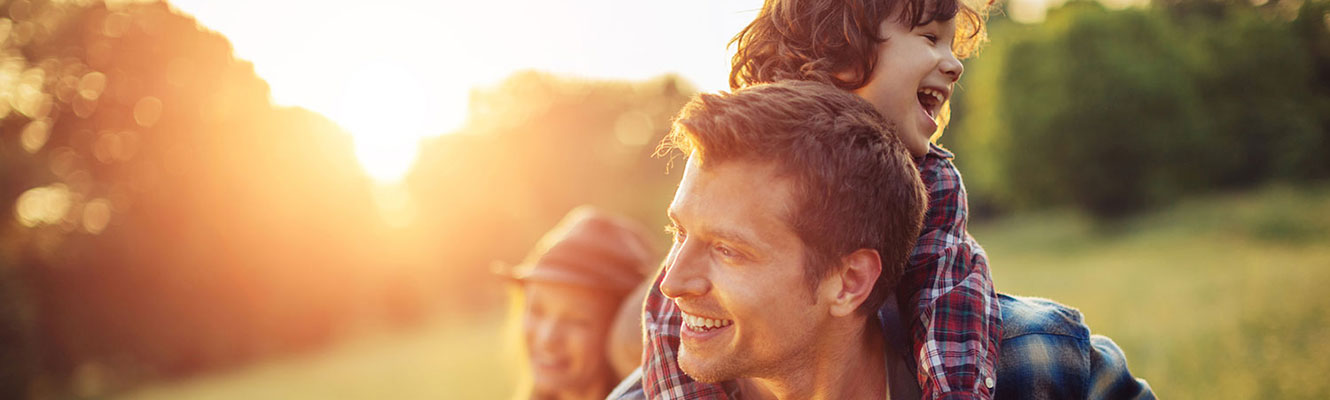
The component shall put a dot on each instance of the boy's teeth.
(932, 92)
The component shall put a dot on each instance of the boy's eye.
(931, 38)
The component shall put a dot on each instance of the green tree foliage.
(1114, 111)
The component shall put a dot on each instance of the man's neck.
(845, 364)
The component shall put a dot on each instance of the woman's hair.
(836, 41)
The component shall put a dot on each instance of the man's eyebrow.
(734, 237)
(725, 235)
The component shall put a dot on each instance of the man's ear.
(854, 280)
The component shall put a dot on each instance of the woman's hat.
(589, 248)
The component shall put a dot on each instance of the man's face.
(913, 78)
(736, 270)
(565, 329)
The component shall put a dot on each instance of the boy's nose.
(952, 67)
(684, 274)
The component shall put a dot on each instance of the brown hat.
(589, 248)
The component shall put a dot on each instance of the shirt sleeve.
(948, 291)
(661, 376)
(1049, 353)
(1109, 376)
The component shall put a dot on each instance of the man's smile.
(703, 324)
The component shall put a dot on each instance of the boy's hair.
(818, 39)
(854, 184)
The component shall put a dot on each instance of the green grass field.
(1216, 298)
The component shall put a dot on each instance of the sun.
(387, 112)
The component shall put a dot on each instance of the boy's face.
(737, 266)
(913, 78)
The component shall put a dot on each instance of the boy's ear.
(853, 281)
(847, 75)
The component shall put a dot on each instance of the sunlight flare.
(384, 108)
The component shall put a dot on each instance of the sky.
(394, 71)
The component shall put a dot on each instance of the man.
(793, 219)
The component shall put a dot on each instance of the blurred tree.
(1113, 111)
(167, 218)
(534, 147)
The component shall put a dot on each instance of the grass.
(1214, 298)
(441, 360)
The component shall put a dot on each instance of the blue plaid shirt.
(1047, 353)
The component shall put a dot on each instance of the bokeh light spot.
(28, 97)
(96, 215)
(34, 135)
(91, 85)
(109, 148)
(63, 161)
(147, 111)
(83, 107)
(68, 88)
(116, 24)
(42, 205)
(633, 128)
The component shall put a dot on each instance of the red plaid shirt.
(955, 320)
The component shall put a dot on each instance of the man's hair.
(818, 39)
(853, 182)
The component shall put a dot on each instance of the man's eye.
(727, 252)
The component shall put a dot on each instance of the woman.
(581, 304)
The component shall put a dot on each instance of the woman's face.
(566, 329)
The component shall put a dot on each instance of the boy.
(901, 56)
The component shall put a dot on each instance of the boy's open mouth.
(931, 100)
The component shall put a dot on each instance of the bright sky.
(394, 71)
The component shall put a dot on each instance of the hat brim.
(528, 273)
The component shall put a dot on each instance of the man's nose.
(685, 273)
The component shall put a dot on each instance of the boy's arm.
(661, 376)
(949, 293)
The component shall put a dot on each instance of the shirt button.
(988, 382)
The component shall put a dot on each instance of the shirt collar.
(937, 151)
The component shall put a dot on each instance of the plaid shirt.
(1047, 353)
(956, 322)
